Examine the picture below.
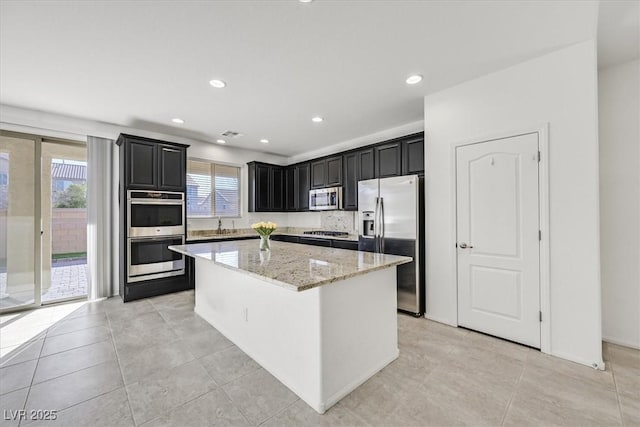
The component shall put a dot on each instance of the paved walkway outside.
(68, 279)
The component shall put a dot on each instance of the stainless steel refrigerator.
(391, 221)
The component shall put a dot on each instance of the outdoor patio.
(68, 280)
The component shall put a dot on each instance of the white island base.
(322, 343)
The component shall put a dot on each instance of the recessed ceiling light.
(264, 141)
(217, 83)
(317, 119)
(221, 141)
(305, 1)
(413, 79)
(178, 121)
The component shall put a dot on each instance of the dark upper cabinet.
(262, 188)
(266, 187)
(326, 172)
(388, 159)
(318, 174)
(303, 179)
(350, 189)
(171, 170)
(334, 171)
(277, 191)
(366, 164)
(277, 188)
(357, 166)
(291, 190)
(413, 156)
(153, 165)
(141, 164)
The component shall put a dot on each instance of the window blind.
(212, 189)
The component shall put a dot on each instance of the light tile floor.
(155, 363)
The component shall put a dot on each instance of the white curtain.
(99, 213)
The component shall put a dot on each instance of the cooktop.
(328, 233)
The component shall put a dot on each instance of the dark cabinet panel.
(142, 164)
(285, 238)
(266, 187)
(291, 190)
(318, 174)
(350, 189)
(413, 156)
(172, 168)
(345, 244)
(315, 241)
(388, 160)
(304, 185)
(334, 171)
(277, 193)
(263, 191)
(153, 165)
(366, 165)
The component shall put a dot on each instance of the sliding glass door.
(19, 266)
(43, 221)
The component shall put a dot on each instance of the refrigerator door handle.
(376, 226)
(382, 224)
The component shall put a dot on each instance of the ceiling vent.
(231, 134)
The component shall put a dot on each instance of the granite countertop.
(292, 266)
(201, 235)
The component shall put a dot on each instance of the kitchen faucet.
(219, 225)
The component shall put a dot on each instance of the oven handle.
(155, 202)
(175, 236)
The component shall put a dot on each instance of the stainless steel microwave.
(325, 199)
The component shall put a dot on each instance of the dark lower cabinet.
(285, 238)
(315, 241)
(344, 244)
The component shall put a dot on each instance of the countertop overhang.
(290, 265)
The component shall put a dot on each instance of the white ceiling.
(139, 64)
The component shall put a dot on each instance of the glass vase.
(264, 243)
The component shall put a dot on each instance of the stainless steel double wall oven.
(156, 221)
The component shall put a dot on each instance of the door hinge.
(540, 315)
(540, 235)
(539, 156)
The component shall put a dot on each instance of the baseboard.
(336, 397)
(590, 363)
(624, 343)
(441, 320)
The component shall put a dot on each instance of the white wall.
(619, 119)
(560, 89)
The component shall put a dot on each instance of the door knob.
(464, 246)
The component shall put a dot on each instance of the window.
(212, 189)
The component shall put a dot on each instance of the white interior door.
(498, 240)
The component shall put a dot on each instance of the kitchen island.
(321, 320)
